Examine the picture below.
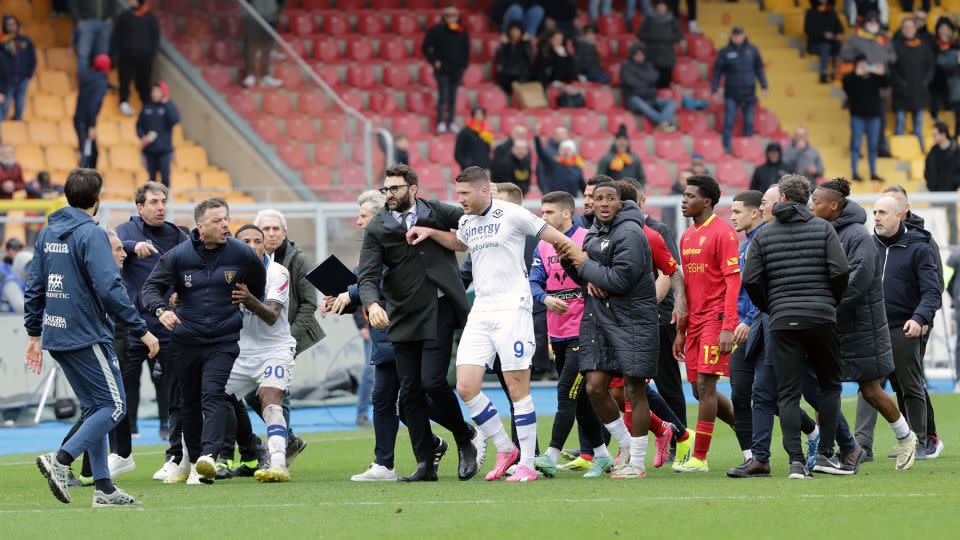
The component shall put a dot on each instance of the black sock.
(64, 458)
(105, 485)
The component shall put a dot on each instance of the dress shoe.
(751, 468)
(467, 453)
(424, 473)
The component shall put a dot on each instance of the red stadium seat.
(420, 5)
(730, 172)
(603, 50)
(224, 52)
(614, 71)
(326, 152)
(219, 77)
(329, 73)
(293, 154)
(298, 45)
(686, 73)
(550, 122)
(277, 104)
(361, 76)
(748, 149)
(301, 23)
(766, 124)
(353, 98)
(599, 99)
(693, 122)
(493, 100)
(405, 24)
(383, 102)
(326, 50)
(670, 148)
(396, 77)
(394, 49)
(317, 176)
(230, 27)
(268, 129)
(290, 74)
(192, 52)
(313, 103)
(710, 146)
(432, 178)
(198, 27)
(371, 24)
(333, 127)
(301, 128)
(336, 24)
(410, 124)
(317, 4)
(242, 102)
(657, 174)
(594, 149)
(421, 102)
(359, 50)
(586, 125)
(426, 78)
(475, 23)
(611, 25)
(473, 76)
(509, 119)
(441, 151)
(700, 48)
(618, 117)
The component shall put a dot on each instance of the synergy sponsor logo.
(55, 287)
(482, 230)
(54, 321)
(50, 247)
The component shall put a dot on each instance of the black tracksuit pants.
(203, 371)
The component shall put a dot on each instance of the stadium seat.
(670, 148)
(394, 49)
(313, 102)
(599, 100)
(13, 132)
(290, 74)
(441, 151)
(493, 100)
(219, 77)
(61, 59)
(693, 123)
(405, 24)
(710, 146)
(326, 152)
(421, 102)
(326, 49)
(45, 133)
(476, 23)
(586, 125)
(473, 76)
(594, 149)
(370, 24)
(301, 23)
(333, 126)
(410, 124)
(215, 181)
(277, 104)
(31, 155)
(267, 128)
(905, 147)
(301, 128)
(108, 134)
(621, 117)
(54, 82)
(353, 98)
(611, 25)
(426, 78)
(550, 122)
(191, 158)
(766, 124)
(686, 73)
(748, 149)
(224, 52)
(330, 74)
(700, 48)
(316, 176)
(384, 102)
(359, 50)
(396, 77)
(336, 24)
(183, 180)
(62, 157)
(420, 5)
(657, 174)
(125, 158)
(731, 173)
(361, 76)
(243, 102)
(510, 118)
(432, 178)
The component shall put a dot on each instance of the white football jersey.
(497, 239)
(256, 334)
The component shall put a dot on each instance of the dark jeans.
(92, 38)
(730, 107)
(171, 381)
(422, 367)
(88, 153)
(668, 380)
(827, 51)
(158, 164)
(741, 385)
(794, 353)
(203, 371)
(136, 69)
(872, 128)
(572, 400)
(257, 43)
(17, 93)
(447, 86)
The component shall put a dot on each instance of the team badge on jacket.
(187, 280)
(229, 275)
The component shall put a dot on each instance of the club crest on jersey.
(604, 244)
(497, 213)
(229, 275)
(702, 240)
(187, 280)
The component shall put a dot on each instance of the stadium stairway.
(368, 52)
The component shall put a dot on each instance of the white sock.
(638, 451)
(526, 419)
(488, 421)
(553, 454)
(618, 430)
(276, 435)
(748, 454)
(900, 427)
(813, 434)
(601, 451)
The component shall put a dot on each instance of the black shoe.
(223, 471)
(823, 78)
(72, 480)
(424, 473)
(884, 153)
(857, 178)
(751, 468)
(798, 471)
(876, 178)
(867, 455)
(467, 454)
(852, 461)
(438, 454)
(830, 465)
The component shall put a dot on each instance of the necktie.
(405, 221)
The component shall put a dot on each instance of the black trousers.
(387, 415)
(171, 384)
(203, 371)
(794, 353)
(136, 69)
(666, 76)
(742, 372)
(158, 164)
(87, 159)
(668, 380)
(572, 400)
(931, 421)
(239, 432)
(541, 358)
(447, 86)
(132, 357)
(422, 368)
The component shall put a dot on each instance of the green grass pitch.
(322, 502)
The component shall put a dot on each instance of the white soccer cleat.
(119, 465)
(207, 468)
(168, 468)
(181, 473)
(376, 473)
(195, 478)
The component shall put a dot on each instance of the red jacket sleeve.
(662, 258)
(728, 253)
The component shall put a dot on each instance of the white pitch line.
(668, 498)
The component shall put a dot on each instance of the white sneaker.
(168, 468)
(194, 479)
(206, 467)
(119, 465)
(277, 55)
(249, 81)
(693, 28)
(453, 128)
(271, 82)
(126, 109)
(179, 473)
(376, 473)
(117, 498)
(441, 128)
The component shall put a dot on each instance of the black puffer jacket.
(911, 74)
(624, 325)
(911, 289)
(862, 318)
(661, 33)
(796, 266)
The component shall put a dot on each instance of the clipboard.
(331, 277)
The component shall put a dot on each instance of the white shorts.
(508, 334)
(269, 369)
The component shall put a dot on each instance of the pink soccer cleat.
(663, 447)
(523, 474)
(504, 460)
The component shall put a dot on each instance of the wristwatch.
(159, 311)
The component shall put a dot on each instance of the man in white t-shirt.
(266, 356)
(501, 320)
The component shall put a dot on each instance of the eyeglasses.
(393, 190)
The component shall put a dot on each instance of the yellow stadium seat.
(47, 107)
(41, 8)
(41, 57)
(68, 133)
(63, 32)
(126, 158)
(41, 33)
(215, 181)
(44, 133)
(178, 139)
(120, 182)
(22, 9)
(183, 181)
(905, 147)
(190, 159)
(62, 157)
(12, 132)
(917, 167)
(108, 133)
(31, 156)
(61, 59)
(54, 82)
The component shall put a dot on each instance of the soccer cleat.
(813, 448)
(663, 446)
(544, 464)
(799, 471)
(599, 466)
(166, 470)
(113, 500)
(376, 473)
(629, 472)
(57, 475)
(566, 456)
(246, 469)
(906, 451)
(684, 449)
(438, 453)
(206, 467)
(504, 460)
(294, 449)
(578, 464)
(195, 479)
(180, 474)
(275, 474)
(692, 465)
(623, 458)
(119, 465)
(830, 465)
(223, 470)
(424, 473)
(522, 474)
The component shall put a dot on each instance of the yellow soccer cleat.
(693, 465)
(683, 450)
(272, 475)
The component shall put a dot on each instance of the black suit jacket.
(413, 274)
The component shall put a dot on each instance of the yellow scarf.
(575, 161)
(481, 129)
(621, 160)
(456, 27)
(912, 43)
(879, 38)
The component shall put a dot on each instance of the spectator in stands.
(945, 94)
(473, 144)
(560, 134)
(669, 215)
(863, 87)
(620, 162)
(11, 176)
(942, 170)
(13, 277)
(258, 44)
(660, 31)
(698, 167)
(561, 14)
(675, 8)
(824, 31)
(136, 40)
(529, 13)
(20, 66)
(92, 87)
(910, 78)
(447, 48)
(800, 157)
(155, 131)
(740, 65)
(870, 40)
(14, 246)
(42, 188)
(587, 59)
(514, 58)
(554, 63)
(562, 172)
(401, 148)
(603, 8)
(859, 10)
(92, 29)
(920, 16)
(771, 171)
(511, 159)
(638, 83)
